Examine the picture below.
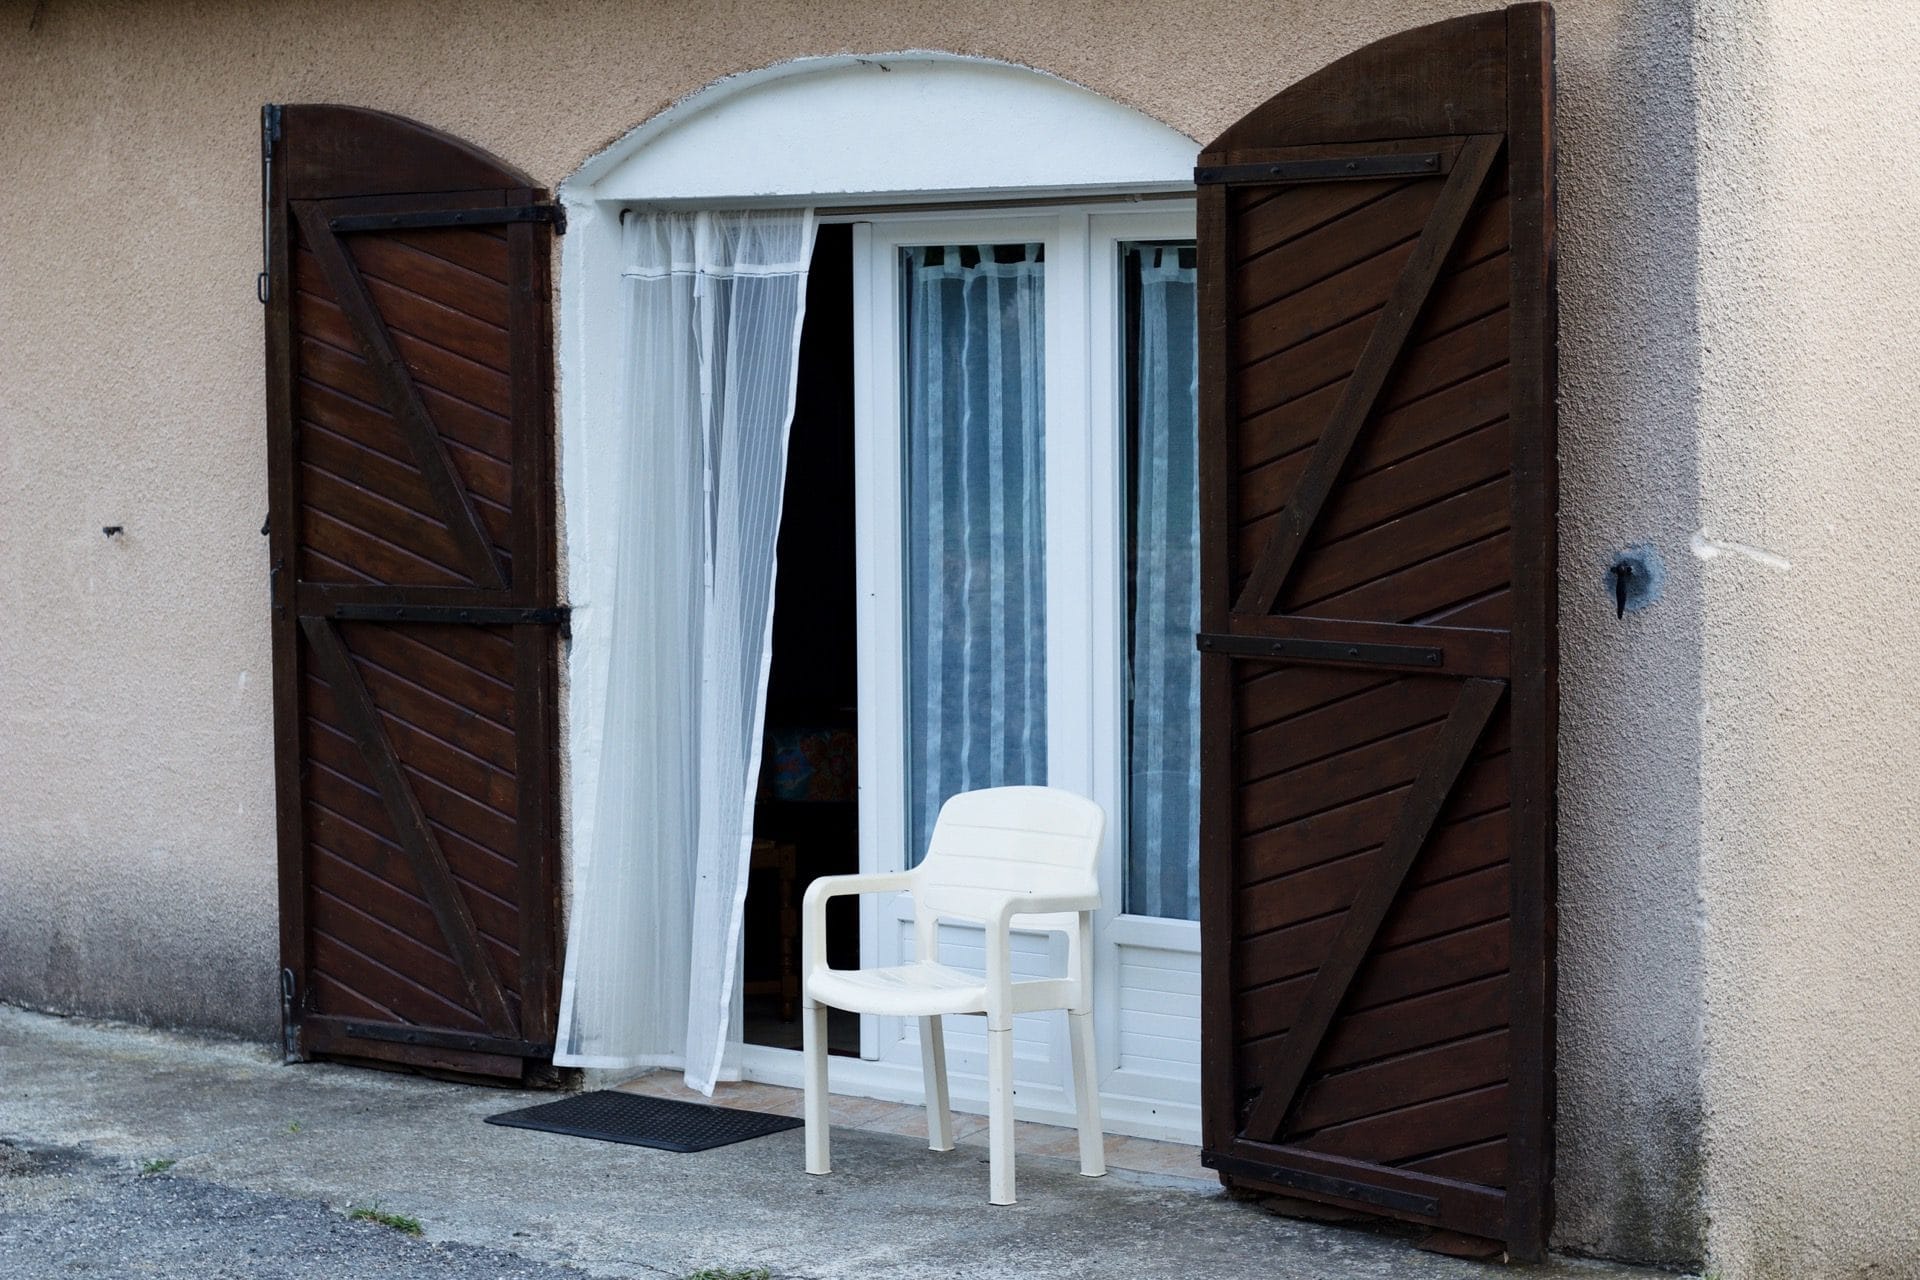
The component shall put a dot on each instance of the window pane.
(975, 385)
(1163, 581)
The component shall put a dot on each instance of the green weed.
(398, 1221)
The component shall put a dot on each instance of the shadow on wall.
(1630, 1104)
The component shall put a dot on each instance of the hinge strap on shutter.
(1293, 649)
(289, 1026)
(550, 213)
(1418, 164)
(452, 614)
(269, 135)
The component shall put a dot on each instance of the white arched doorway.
(921, 149)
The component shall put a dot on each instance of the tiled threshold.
(1135, 1155)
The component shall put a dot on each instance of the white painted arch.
(922, 122)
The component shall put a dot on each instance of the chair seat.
(902, 990)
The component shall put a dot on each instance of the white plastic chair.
(1026, 853)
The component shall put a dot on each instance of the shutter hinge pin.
(269, 135)
(289, 1032)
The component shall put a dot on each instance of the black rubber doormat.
(665, 1123)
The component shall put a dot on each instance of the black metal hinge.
(289, 1023)
(486, 615)
(559, 615)
(269, 138)
(1299, 650)
(433, 1037)
(1332, 168)
(1391, 1198)
(551, 213)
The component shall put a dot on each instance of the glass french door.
(1028, 545)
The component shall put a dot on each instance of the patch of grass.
(294, 1127)
(374, 1213)
(722, 1273)
(156, 1166)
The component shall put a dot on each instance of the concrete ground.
(1174, 1160)
(269, 1159)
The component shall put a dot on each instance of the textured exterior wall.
(1810, 319)
(1629, 974)
(136, 833)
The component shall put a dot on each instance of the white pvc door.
(1000, 456)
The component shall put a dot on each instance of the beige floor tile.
(862, 1113)
(1027, 1135)
(756, 1097)
(908, 1121)
(965, 1126)
(1140, 1155)
(783, 1102)
(1049, 1140)
(660, 1084)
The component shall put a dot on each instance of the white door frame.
(1146, 969)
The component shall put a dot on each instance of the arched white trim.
(816, 129)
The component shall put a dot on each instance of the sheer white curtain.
(714, 304)
(976, 523)
(1163, 799)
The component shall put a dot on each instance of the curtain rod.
(834, 211)
(1030, 202)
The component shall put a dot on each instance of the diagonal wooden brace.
(1370, 373)
(1458, 735)
(410, 826)
(402, 396)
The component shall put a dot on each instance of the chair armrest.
(1000, 947)
(813, 910)
(1039, 904)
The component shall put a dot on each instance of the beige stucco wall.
(1810, 324)
(136, 800)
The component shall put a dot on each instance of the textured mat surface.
(665, 1123)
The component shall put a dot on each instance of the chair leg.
(813, 1033)
(1000, 1115)
(1086, 1095)
(933, 1067)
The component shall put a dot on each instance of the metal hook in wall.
(1634, 578)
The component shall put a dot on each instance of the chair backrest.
(989, 844)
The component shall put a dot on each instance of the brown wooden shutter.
(414, 593)
(1377, 471)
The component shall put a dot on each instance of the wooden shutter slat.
(1363, 918)
(1344, 1098)
(1369, 376)
(1483, 1162)
(1353, 240)
(415, 833)
(1283, 214)
(401, 396)
(392, 260)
